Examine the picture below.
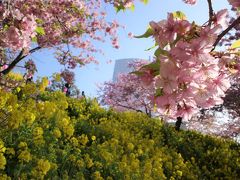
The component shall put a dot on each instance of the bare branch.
(18, 59)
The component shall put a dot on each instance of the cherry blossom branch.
(18, 59)
(210, 11)
(220, 36)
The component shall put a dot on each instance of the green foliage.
(149, 32)
(46, 135)
(145, 1)
(160, 51)
(153, 67)
(179, 15)
(39, 30)
(122, 6)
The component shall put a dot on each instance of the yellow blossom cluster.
(47, 135)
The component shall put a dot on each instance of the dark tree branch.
(13, 63)
(18, 59)
(220, 36)
(210, 12)
(148, 111)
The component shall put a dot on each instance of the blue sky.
(136, 22)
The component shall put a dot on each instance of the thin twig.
(220, 36)
(210, 12)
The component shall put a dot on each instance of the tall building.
(121, 66)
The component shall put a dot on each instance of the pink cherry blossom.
(234, 3)
(189, 76)
(65, 89)
(190, 1)
(5, 66)
(221, 18)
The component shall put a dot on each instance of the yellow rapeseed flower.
(3, 161)
(97, 175)
(57, 77)
(83, 139)
(43, 84)
(38, 131)
(43, 166)
(2, 148)
(130, 146)
(25, 156)
(22, 145)
(74, 141)
(93, 138)
(57, 133)
(80, 163)
(30, 117)
(10, 152)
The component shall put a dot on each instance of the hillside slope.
(48, 135)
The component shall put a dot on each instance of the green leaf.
(151, 47)
(119, 8)
(40, 30)
(5, 27)
(236, 44)
(34, 39)
(132, 7)
(179, 15)
(160, 51)
(158, 92)
(147, 34)
(153, 66)
(138, 73)
(145, 1)
(39, 21)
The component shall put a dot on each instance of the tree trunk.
(178, 123)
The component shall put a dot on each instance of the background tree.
(128, 92)
(65, 82)
(28, 26)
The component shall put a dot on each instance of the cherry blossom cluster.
(124, 4)
(55, 23)
(190, 1)
(121, 3)
(189, 76)
(68, 76)
(234, 3)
